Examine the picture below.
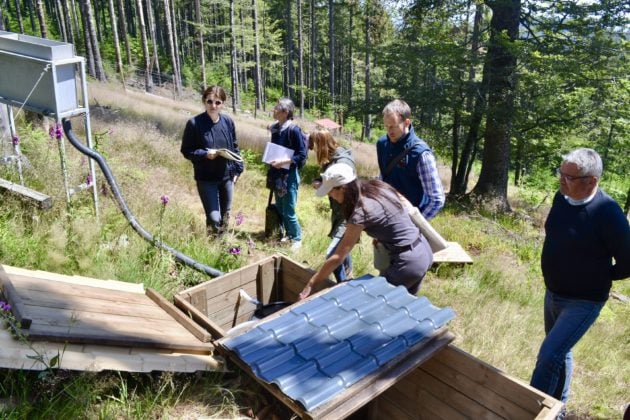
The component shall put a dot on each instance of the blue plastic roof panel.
(323, 346)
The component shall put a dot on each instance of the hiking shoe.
(295, 245)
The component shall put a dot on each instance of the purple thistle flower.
(15, 139)
(5, 306)
(164, 199)
(58, 131)
(235, 250)
(239, 218)
(55, 131)
(88, 180)
(251, 244)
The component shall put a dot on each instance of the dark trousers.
(216, 198)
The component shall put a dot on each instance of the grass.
(498, 299)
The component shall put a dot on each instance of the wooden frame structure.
(442, 382)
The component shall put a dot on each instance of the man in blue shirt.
(587, 246)
(407, 163)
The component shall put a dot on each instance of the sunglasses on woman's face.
(210, 102)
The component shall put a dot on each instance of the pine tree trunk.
(31, 15)
(39, 7)
(95, 21)
(119, 65)
(68, 20)
(176, 47)
(202, 54)
(313, 62)
(61, 22)
(171, 49)
(75, 20)
(501, 59)
(350, 72)
(367, 119)
(300, 56)
(290, 81)
(257, 78)
(148, 80)
(123, 29)
(18, 13)
(89, 20)
(87, 43)
(233, 69)
(155, 59)
(474, 108)
(331, 50)
(243, 77)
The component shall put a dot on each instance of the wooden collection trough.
(450, 385)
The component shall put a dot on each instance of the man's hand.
(305, 292)
(212, 154)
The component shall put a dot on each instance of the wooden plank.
(43, 201)
(225, 318)
(71, 319)
(413, 402)
(18, 308)
(489, 377)
(294, 276)
(452, 398)
(461, 384)
(199, 300)
(61, 289)
(227, 300)
(115, 338)
(373, 385)
(268, 289)
(178, 316)
(454, 253)
(199, 317)
(85, 281)
(79, 304)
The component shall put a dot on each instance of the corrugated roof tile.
(325, 345)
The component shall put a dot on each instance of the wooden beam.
(199, 317)
(179, 316)
(12, 296)
(43, 201)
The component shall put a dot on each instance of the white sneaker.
(284, 239)
(295, 245)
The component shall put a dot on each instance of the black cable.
(67, 128)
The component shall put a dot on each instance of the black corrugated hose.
(67, 128)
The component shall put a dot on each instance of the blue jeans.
(216, 198)
(286, 206)
(566, 321)
(341, 272)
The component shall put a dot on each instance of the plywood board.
(76, 313)
(454, 253)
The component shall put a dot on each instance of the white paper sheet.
(276, 152)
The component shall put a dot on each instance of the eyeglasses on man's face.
(570, 177)
(211, 102)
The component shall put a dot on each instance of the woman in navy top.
(215, 175)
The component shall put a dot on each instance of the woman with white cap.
(376, 208)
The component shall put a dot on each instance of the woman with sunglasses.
(328, 153)
(378, 209)
(204, 136)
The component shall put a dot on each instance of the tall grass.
(498, 299)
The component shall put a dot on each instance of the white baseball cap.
(335, 176)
